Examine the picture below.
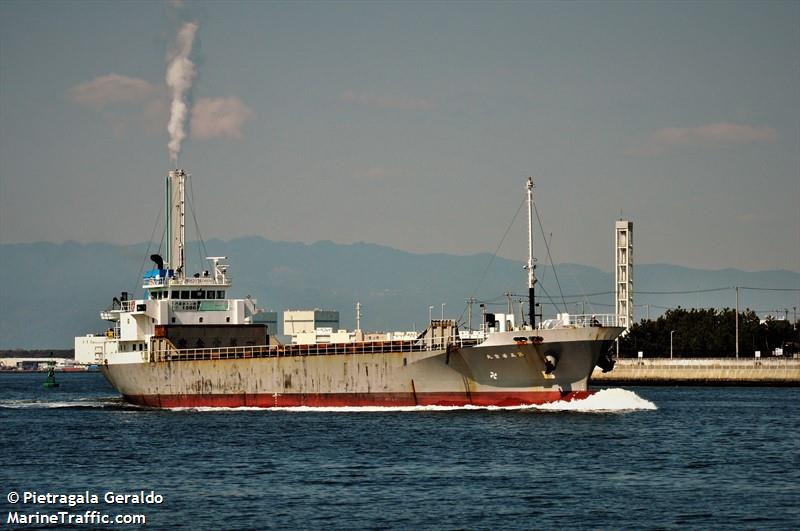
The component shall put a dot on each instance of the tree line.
(709, 333)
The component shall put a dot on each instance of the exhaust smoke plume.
(180, 74)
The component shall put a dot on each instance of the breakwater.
(704, 371)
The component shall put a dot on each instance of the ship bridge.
(172, 298)
(162, 283)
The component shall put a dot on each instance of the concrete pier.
(706, 371)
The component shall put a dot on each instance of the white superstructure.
(171, 297)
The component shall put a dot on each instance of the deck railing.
(710, 363)
(581, 320)
(368, 347)
(154, 282)
(275, 351)
(157, 282)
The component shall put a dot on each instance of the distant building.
(304, 321)
(34, 364)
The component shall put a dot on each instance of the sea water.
(639, 457)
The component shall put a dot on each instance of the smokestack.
(158, 260)
(180, 74)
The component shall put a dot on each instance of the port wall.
(721, 371)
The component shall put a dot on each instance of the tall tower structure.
(624, 273)
(530, 266)
(176, 220)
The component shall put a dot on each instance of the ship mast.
(176, 220)
(530, 266)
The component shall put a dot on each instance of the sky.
(413, 125)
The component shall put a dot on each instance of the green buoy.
(51, 376)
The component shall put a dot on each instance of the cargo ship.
(186, 343)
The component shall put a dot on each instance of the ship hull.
(504, 374)
(499, 399)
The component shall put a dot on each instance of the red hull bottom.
(358, 400)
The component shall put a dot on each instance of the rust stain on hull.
(500, 375)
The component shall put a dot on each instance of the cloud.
(119, 99)
(113, 89)
(383, 101)
(210, 117)
(717, 134)
(219, 117)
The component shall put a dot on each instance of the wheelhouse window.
(176, 294)
(185, 294)
(211, 294)
(220, 294)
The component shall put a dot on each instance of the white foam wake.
(604, 401)
(95, 402)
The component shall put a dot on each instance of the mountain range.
(53, 292)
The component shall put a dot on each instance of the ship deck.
(320, 349)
